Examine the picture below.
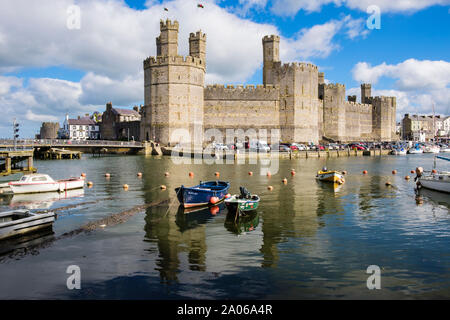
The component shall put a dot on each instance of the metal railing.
(59, 142)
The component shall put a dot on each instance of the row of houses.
(113, 124)
(424, 128)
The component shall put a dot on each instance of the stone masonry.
(293, 98)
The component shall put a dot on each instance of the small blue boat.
(200, 195)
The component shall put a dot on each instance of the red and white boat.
(37, 183)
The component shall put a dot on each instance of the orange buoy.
(407, 178)
(107, 175)
(434, 171)
(270, 188)
(214, 200)
(125, 186)
(412, 171)
(83, 175)
(90, 184)
(284, 180)
(214, 210)
(388, 183)
(344, 172)
(227, 196)
(269, 174)
(163, 187)
(217, 174)
(365, 172)
(191, 174)
(250, 173)
(166, 174)
(139, 174)
(293, 173)
(394, 171)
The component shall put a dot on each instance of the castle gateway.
(293, 98)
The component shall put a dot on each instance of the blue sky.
(47, 69)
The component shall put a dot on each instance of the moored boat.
(20, 222)
(244, 202)
(415, 150)
(37, 183)
(398, 152)
(432, 149)
(205, 193)
(439, 181)
(434, 180)
(330, 176)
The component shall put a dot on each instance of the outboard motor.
(245, 194)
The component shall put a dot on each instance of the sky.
(74, 56)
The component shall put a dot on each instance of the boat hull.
(435, 184)
(243, 205)
(10, 228)
(56, 186)
(201, 195)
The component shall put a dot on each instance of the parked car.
(284, 148)
(355, 146)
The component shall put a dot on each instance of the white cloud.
(39, 117)
(292, 7)
(411, 74)
(318, 41)
(419, 84)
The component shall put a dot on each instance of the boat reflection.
(39, 200)
(332, 187)
(242, 224)
(190, 218)
(436, 197)
(25, 242)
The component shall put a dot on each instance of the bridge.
(85, 146)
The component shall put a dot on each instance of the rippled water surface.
(307, 240)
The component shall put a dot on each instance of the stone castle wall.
(238, 107)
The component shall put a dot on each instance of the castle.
(293, 98)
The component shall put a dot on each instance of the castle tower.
(271, 55)
(321, 78)
(366, 92)
(197, 45)
(173, 90)
(334, 116)
(168, 40)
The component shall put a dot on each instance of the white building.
(80, 129)
(446, 125)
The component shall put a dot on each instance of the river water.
(307, 240)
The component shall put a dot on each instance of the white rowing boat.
(37, 183)
(20, 222)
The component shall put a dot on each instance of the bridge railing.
(61, 142)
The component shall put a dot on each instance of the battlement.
(168, 25)
(334, 86)
(165, 60)
(197, 35)
(271, 38)
(240, 92)
(351, 106)
(384, 99)
(298, 66)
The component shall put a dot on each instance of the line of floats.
(207, 194)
